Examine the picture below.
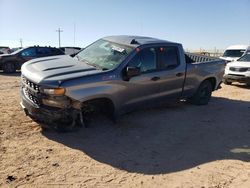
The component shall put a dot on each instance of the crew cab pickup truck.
(114, 75)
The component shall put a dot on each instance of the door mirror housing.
(133, 71)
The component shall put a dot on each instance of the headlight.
(55, 91)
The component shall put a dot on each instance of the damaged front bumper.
(49, 116)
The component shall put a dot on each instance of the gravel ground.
(176, 145)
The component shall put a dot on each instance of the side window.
(145, 60)
(43, 51)
(56, 51)
(30, 52)
(168, 57)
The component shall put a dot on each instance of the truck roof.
(135, 40)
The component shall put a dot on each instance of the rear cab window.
(168, 57)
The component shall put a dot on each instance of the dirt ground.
(177, 145)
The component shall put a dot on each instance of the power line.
(59, 35)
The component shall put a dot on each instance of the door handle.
(155, 78)
(179, 74)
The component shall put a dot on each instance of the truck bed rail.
(193, 58)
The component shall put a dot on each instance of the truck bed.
(199, 68)
(197, 58)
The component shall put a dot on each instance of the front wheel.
(9, 67)
(203, 94)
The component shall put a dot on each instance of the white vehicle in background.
(238, 71)
(232, 53)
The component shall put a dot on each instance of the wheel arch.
(104, 103)
(212, 80)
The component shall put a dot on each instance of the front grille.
(238, 69)
(237, 75)
(31, 97)
(31, 90)
(30, 84)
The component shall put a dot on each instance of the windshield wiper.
(91, 64)
(96, 66)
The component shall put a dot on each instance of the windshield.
(104, 54)
(233, 53)
(245, 58)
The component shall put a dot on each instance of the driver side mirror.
(133, 71)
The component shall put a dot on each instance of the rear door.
(171, 71)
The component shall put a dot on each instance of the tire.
(9, 67)
(203, 94)
(227, 82)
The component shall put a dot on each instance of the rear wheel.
(9, 67)
(203, 94)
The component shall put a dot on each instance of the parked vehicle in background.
(9, 63)
(15, 49)
(115, 75)
(238, 71)
(4, 50)
(70, 50)
(232, 53)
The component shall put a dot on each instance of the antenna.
(59, 35)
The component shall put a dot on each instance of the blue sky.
(194, 23)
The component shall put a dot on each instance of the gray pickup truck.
(115, 75)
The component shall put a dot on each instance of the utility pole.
(21, 42)
(59, 35)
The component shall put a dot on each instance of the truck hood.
(54, 70)
(239, 64)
